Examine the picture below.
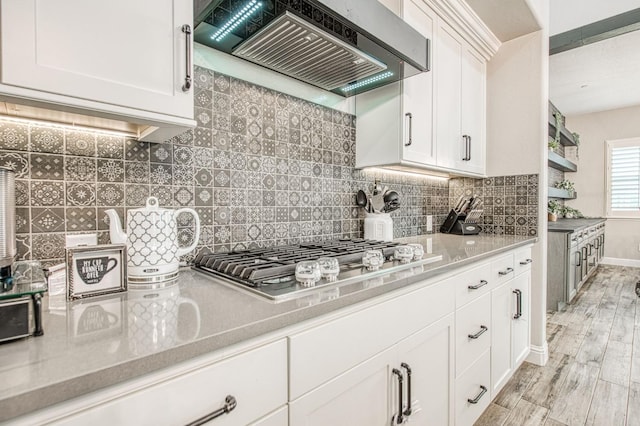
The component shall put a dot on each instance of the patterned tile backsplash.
(261, 168)
(510, 202)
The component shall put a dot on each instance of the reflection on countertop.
(93, 343)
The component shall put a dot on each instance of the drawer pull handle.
(483, 329)
(407, 411)
(475, 400)
(518, 294)
(505, 272)
(526, 262)
(410, 138)
(399, 418)
(229, 404)
(187, 79)
(477, 286)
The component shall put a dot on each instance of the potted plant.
(553, 210)
(553, 144)
(571, 213)
(566, 185)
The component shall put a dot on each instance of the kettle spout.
(115, 228)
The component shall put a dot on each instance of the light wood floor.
(593, 373)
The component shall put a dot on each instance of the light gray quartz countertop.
(94, 343)
(572, 225)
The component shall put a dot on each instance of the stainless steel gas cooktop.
(287, 272)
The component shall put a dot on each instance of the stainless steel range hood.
(346, 47)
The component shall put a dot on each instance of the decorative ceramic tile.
(80, 168)
(17, 162)
(110, 194)
(48, 246)
(46, 139)
(205, 214)
(203, 196)
(47, 220)
(80, 143)
(203, 137)
(81, 194)
(183, 196)
(103, 219)
(14, 136)
(46, 166)
(110, 146)
(23, 219)
(185, 138)
(136, 150)
(182, 175)
(164, 194)
(110, 170)
(136, 195)
(183, 155)
(161, 153)
(136, 172)
(45, 193)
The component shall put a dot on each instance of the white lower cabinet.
(472, 394)
(413, 377)
(501, 317)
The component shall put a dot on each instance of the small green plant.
(566, 185)
(554, 207)
(571, 213)
(576, 137)
(553, 144)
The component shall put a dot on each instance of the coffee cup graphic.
(93, 269)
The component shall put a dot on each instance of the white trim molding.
(539, 355)
(464, 20)
(635, 263)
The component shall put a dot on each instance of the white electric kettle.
(152, 240)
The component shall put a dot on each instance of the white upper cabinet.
(395, 122)
(114, 59)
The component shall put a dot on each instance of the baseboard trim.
(539, 355)
(620, 262)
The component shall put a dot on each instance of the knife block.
(454, 224)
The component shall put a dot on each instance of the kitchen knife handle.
(410, 139)
(518, 294)
(399, 418)
(407, 411)
(186, 28)
(230, 404)
(477, 286)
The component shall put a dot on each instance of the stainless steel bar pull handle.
(483, 330)
(407, 411)
(410, 137)
(229, 404)
(505, 272)
(399, 418)
(579, 260)
(477, 286)
(466, 157)
(518, 294)
(187, 79)
(475, 400)
(526, 262)
(469, 148)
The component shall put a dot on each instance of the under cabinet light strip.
(427, 174)
(236, 20)
(62, 126)
(367, 81)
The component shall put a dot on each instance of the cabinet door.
(472, 156)
(449, 141)
(520, 338)
(417, 100)
(501, 317)
(429, 355)
(120, 52)
(361, 396)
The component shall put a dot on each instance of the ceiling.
(599, 76)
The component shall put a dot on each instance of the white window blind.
(624, 177)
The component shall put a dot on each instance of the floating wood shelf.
(566, 138)
(558, 162)
(561, 193)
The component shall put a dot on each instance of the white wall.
(517, 102)
(622, 235)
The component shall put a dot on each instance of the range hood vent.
(293, 47)
(343, 46)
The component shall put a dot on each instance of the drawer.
(360, 335)
(469, 387)
(472, 284)
(473, 319)
(257, 379)
(522, 260)
(502, 269)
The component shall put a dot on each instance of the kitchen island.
(573, 225)
(96, 343)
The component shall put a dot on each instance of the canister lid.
(6, 169)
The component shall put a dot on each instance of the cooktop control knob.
(308, 273)
(329, 268)
(418, 251)
(373, 260)
(403, 253)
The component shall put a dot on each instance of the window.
(623, 178)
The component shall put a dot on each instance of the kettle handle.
(196, 236)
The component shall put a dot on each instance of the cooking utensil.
(378, 202)
(361, 199)
(390, 196)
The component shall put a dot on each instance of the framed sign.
(96, 270)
